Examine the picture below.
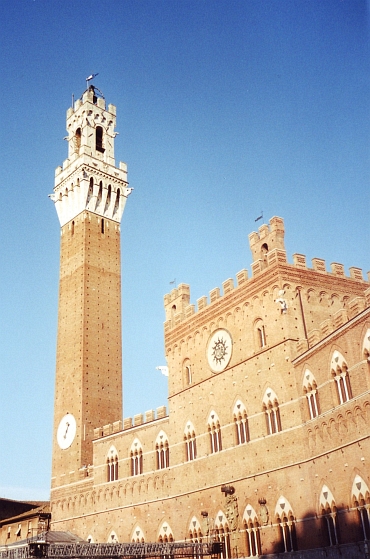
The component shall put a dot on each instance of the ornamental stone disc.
(219, 350)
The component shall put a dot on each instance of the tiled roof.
(43, 509)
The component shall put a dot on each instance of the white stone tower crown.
(89, 179)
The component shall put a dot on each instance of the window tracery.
(361, 500)
(329, 515)
(285, 518)
(112, 464)
(310, 389)
(339, 370)
(272, 413)
(136, 458)
(252, 532)
(241, 423)
(162, 451)
(214, 430)
(190, 442)
(222, 534)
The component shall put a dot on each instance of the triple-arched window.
(162, 451)
(310, 389)
(272, 413)
(241, 423)
(136, 458)
(286, 521)
(214, 430)
(339, 371)
(190, 442)
(361, 500)
(252, 532)
(112, 464)
(328, 511)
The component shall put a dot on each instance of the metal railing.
(168, 550)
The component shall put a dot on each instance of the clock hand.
(65, 434)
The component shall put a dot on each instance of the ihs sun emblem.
(219, 351)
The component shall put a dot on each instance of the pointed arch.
(112, 464)
(286, 520)
(190, 442)
(339, 371)
(252, 532)
(222, 533)
(270, 406)
(310, 389)
(361, 500)
(137, 535)
(214, 430)
(241, 423)
(136, 457)
(195, 530)
(328, 511)
(162, 451)
(112, 538)
(165, 533)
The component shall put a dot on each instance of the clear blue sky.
(225, 108)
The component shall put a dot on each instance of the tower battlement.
(88, 178)
(271, 238)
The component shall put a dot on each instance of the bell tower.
(90, 194)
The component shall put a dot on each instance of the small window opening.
(100, 195)
(99, 139)
(102, 225)
(116, 205)
(108, 200)
(77, 140)
(73, 228)
(261, 336)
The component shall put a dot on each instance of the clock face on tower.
(66, 431)
(219, 350)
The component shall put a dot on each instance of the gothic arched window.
(272, 413)
(136, 458)
(241, 423)
(310, 389)
(112, 464)
(222, 534)
(339, 371)
(187, 373)
(162, 451)
(252, 532)
(329, 516)
(286, 521)
(214, 430)
(361, 500)
(190, 442)
(78, 140)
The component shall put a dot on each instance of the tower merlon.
(176, 301)
(269, 237)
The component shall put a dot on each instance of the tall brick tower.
(90, 194)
